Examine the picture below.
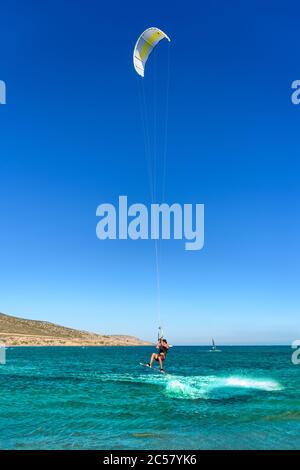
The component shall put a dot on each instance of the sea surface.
(101, 398)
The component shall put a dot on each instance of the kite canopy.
(144, 46)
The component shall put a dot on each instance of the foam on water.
(216, 387)
(199, 387)
(258, 384)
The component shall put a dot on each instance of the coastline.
(16, 331)
(22, 340)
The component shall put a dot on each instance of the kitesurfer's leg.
(160, 360)
(152, 359)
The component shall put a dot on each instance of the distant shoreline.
(16, 332)
(147, 345)
(8, 346)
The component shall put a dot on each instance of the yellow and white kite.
(144, 46)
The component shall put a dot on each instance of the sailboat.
(214, 347)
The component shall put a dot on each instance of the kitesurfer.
(162, 346)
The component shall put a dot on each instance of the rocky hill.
(16, 331)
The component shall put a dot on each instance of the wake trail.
(200, 387)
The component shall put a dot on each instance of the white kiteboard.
(152, 369)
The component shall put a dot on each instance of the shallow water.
(100, 398)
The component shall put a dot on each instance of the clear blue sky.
(71, 139)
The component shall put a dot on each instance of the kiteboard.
(152, 369)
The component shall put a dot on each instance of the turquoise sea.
(100, 398)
